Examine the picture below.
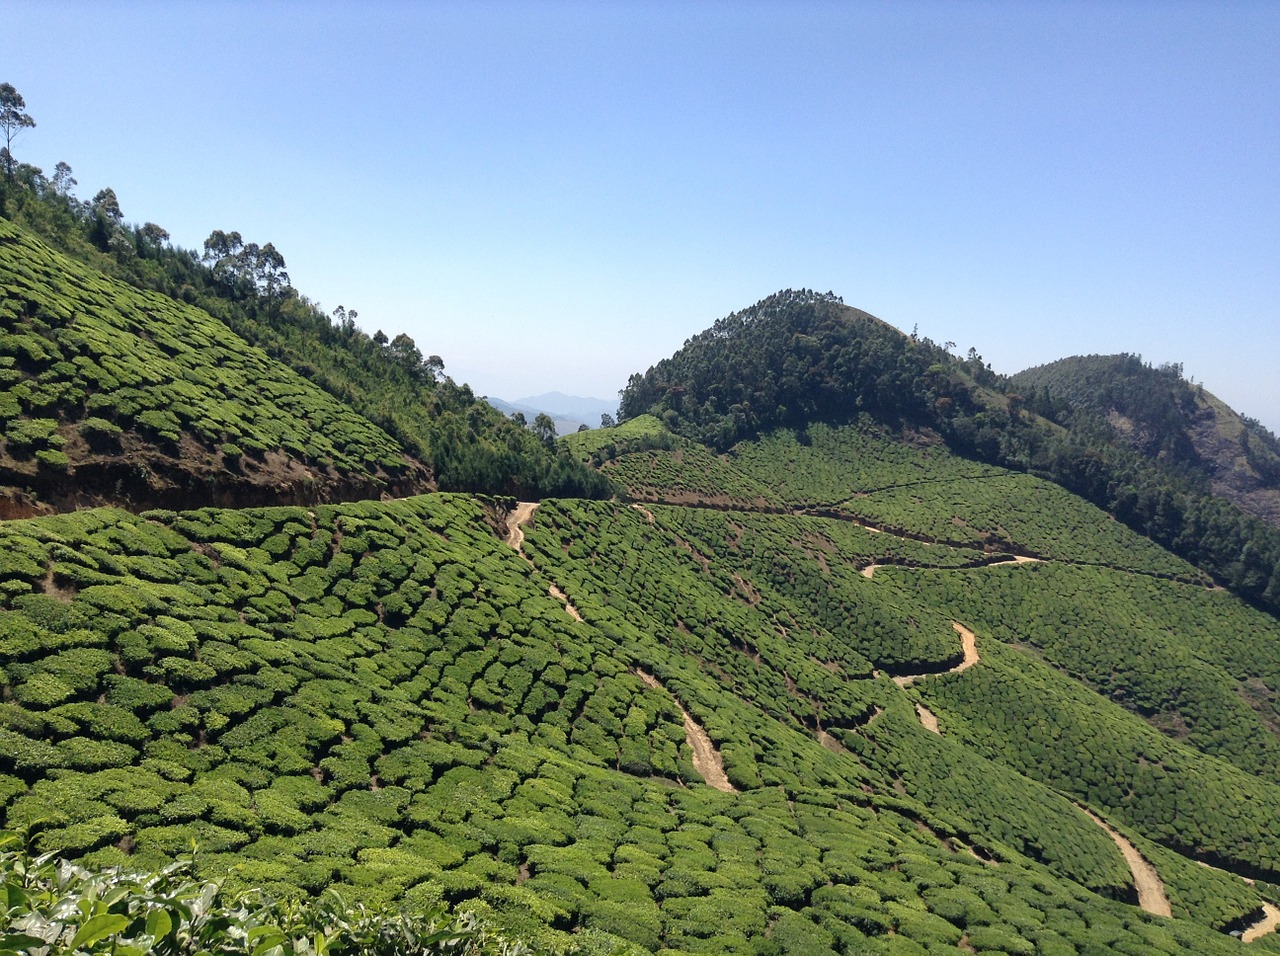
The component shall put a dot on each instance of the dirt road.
(706, 758)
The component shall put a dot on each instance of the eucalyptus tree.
(13, 120)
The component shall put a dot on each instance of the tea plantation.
(384, 700)
(111, 393)
(822, 688)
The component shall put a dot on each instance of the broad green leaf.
(159, 924)
(98, 927)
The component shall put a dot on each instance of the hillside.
(114, 395)
(465, 444)
(813, 682)
(390, 699)
(798, 357)
(1160, 414)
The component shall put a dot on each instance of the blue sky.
(555, 195)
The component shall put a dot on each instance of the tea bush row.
(82, 348)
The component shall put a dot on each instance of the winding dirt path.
(559, 595)
(1151, 895)
(869, 572)
(969, 645)
(520, 515)
(706, 758)
(1269, 923)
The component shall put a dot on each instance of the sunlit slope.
(1197, 664)
(1190, 763)
(1160, 414)
(388, 699)
(108, 393)
(914, 489)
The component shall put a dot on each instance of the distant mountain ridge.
(569, 412)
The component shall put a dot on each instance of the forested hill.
(799, 357)
(795, 357)
(244, 288)
(1157, 412)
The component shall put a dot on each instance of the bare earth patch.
(1269, 923)
(706, 758)
(520, 515)
(927, 720)
(1151, 895)
(555, 592)
(831, 743)
(645, 511)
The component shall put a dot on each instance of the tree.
(346, 321)
(406, 353)
(63, 181)
(107, 205)
(12, 122)
(266, 268)
(606, 421)
(545, 429)
(153, 235)
(221, 245)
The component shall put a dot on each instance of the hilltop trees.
(13, 120)
(247, 267)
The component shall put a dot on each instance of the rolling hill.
(836, 670)
(1160, 414)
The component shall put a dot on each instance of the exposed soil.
(927, 720)
(520, 515)
(559, 595)
(645, 511)
(1269, 923)
(138, 473)
(706, 758)
(970, 646)
(1151, 895)
(831, 743)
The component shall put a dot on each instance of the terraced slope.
(109, 394)
(386, 698)
(1191, 663)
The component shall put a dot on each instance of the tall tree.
(63, 182)
(12, 122)
(545, 428)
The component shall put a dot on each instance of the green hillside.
(1159, 413)
(465, 443)
(797, 358)
(845, 666)
(386, 699)
(111, 394)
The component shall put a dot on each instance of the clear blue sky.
(555, 195)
